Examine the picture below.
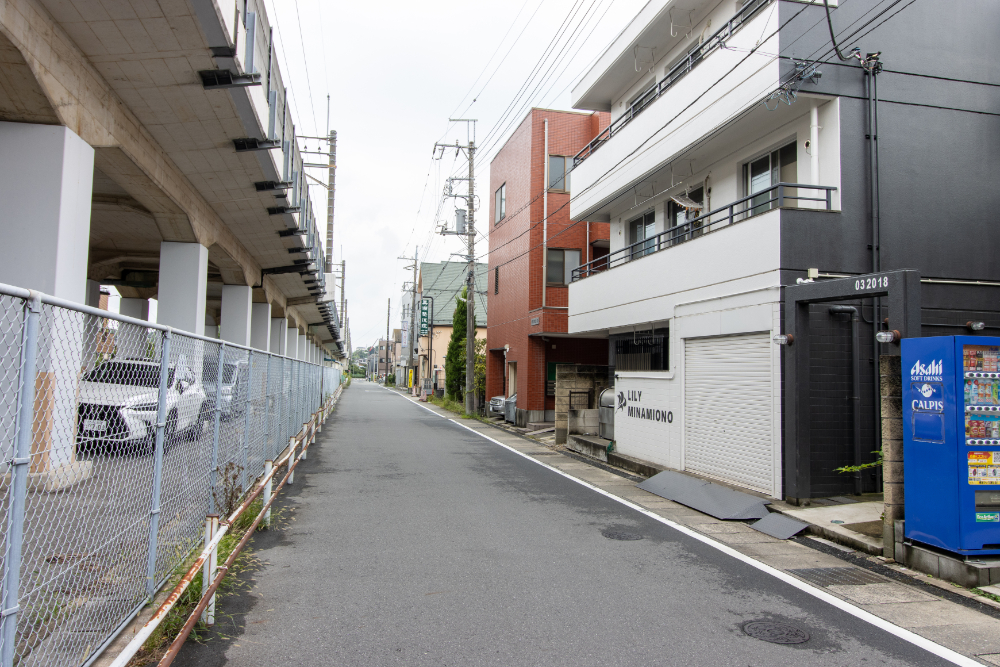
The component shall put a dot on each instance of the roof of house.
(444, 281)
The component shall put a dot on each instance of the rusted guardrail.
(305, 438)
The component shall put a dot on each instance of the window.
(496, 280)
(500, 204)
(559, 168)
(643, 352)
(642, 229)
(767, 171)
(560, 265)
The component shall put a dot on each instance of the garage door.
(728, 418)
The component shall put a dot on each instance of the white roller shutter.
(728, 415)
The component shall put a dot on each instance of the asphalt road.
(414, 541)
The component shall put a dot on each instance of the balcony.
(708, 103)
(691, 60)
(781, 195)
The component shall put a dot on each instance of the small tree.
(480, 366)
(454, 360)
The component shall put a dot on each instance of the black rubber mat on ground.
(779, 525)
(712, 499)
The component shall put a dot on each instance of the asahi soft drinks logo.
(626, 400)
(929, 372)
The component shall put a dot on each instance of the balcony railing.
(693, 58)
(777, 196)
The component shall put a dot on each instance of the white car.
(233, 390)
(118, 404)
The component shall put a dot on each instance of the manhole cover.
(623, 535)
(776, 633)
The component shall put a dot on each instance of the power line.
(305, 61)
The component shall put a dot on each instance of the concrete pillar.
(180, 300)
(46, 184)
(211, 331)
(303, 344)
(292, 345)
(132, 339)
(279, 335)
(235, 325)
(93, 296)
(260, 326)
(137, 308)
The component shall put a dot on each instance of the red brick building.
(532, 235)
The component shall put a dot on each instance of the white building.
(688, 176)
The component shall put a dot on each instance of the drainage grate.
(624, 536)
(838, 576)
(776, 633)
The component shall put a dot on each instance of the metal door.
(728, 410)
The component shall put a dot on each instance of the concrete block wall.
(576, 377)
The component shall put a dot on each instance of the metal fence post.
(291, 459)
(268, 398)
(215, 430)
(19, 489)
(154, 505)
(210, 567)
(246, 422)
(268, 487)
(279, 437)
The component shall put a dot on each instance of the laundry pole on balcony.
(545, 219)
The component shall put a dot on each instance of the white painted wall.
(741, 258)
(664, 442)
(46, 183)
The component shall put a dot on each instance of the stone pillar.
(279, 335)
(891, 384)
(46, 184)
(235, 325)
(183, 280)
(260, 326)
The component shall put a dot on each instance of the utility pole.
(470, 232)
(413, 305)
(388, 317)
(330, 188)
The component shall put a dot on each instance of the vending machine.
(951, 448)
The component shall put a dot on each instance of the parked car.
(118, 404)
(232, 396)
(496, 406)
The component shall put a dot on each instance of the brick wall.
(516, 250)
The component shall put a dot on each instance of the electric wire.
(305, 62)
(833, 38)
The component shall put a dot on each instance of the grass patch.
(156, 646)
(449, 405)
(981, 592)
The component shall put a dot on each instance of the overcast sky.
(395, 72)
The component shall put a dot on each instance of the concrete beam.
(86, 104)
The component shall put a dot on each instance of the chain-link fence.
(117, 437)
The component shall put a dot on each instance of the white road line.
(906, 635)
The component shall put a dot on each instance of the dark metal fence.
(777, 196)
(117, 437)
